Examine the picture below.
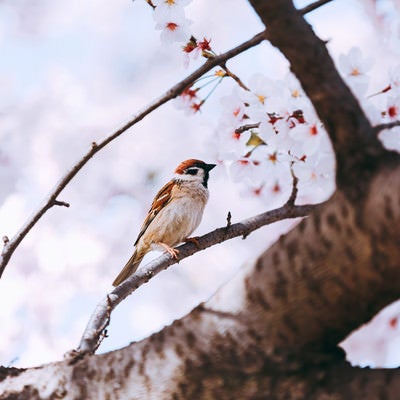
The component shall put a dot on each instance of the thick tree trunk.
(272, 331)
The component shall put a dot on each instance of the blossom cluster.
(269, 131)
(171, 20)
(382, 105)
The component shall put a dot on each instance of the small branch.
(388, 125)
(314, 6)
(100, 318)
(150, 3)
(229, 73)
(247, 127)
(293, 195)
(228, 220)
(61, 203)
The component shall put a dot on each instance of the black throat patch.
(205, 179)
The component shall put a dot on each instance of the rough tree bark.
(272, 331)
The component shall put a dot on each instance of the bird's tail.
(130, 267)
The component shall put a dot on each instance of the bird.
(175, 213)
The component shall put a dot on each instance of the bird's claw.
(170, 250)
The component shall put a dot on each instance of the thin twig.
(247, 127)
(150, 3)
(291, 200)
(61, 203)
(228, 220)
(314, 6)
(100, 318)
(388, 125)
(229, 73)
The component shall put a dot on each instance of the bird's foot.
(170, 250)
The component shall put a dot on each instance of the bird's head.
(194, 170)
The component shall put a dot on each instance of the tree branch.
(293, 195)
(247, 127)
(100, 318)
(314, 6)
(388, 125)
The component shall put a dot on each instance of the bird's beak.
(209, 167)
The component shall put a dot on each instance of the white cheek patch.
(191, 178)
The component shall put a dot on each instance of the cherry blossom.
(309, 135)
(273, 189)
(187, 99)
(392, 111)
(171, 4)
(194, 48)
(234, 109)
(316, 176)
(246, 169)
(292, 92)
(391, 137)
(169, 9)
(264, 92)
(173, 29)
(394, 75)
(274, 131)
(171, 20)
(355, 68)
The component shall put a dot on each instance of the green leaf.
(254, 140)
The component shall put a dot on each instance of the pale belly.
(176, 221)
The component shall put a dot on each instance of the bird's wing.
(162, 198)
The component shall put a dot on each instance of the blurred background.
(70, 74)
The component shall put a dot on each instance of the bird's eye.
(192, 171)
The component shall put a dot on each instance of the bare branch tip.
(61, 203)
(150, 3)
(234, 76)
(228, 219)
(6, 240)
(389, 125)
(314, 6)
(293, 195)
(247, 127)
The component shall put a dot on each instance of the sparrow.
(175, 213)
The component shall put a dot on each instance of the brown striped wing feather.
(162, 198)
